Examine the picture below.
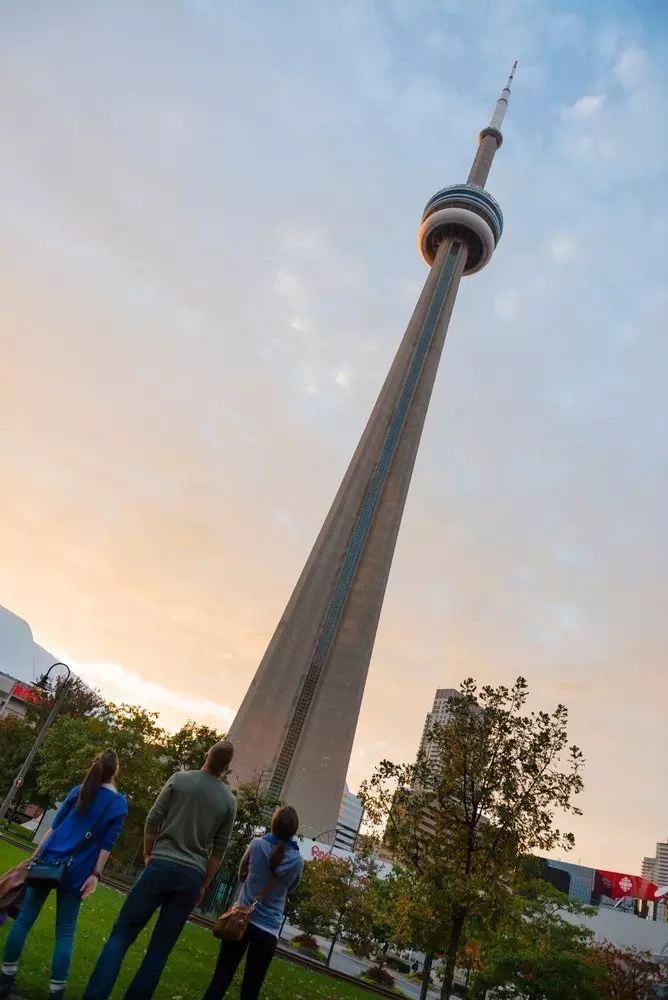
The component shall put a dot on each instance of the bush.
(307, 945)
(379, 976)
(305, 941)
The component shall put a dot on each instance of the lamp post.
(20, 777)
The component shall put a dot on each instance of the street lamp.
(57, 705)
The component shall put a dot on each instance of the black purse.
(51, 874)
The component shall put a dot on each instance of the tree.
(186, 749)
(534, 952)
(255, 806)
(311, 907)
(485, 792)
(624, 973)
(17, 736)
(369, 925)
(18, 733)
(134, 734)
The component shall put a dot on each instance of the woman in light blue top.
(272, 866)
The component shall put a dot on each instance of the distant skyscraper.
(648, 869)
(350, 820)
(661, 864)
(297, 723)
(438, 715)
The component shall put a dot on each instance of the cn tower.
(295, 727)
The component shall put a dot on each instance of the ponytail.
(284, 825)
(103, 769)
(276, 855)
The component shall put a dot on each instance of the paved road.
(343, 962)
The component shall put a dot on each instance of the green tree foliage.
(255, 806)
(370, 925)
(311, 907)
(186, 749)
(534, 952)
(17, 735)
(487, 792)
(624, 973)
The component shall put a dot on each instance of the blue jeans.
(165, 884)
(67, 913)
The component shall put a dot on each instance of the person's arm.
(156, 817)
(111, 835)
(244, 866)
(64, 811)
(91, 883)
(218, 848)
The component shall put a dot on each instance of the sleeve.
(158, 814)
(224, 833)
(296, 880)
(114, 827)
(66, 808)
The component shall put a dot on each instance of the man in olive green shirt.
(186, 835)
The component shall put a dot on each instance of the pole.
(20, 777)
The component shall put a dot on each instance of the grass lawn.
(187, 973)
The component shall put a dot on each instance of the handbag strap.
(266, 888)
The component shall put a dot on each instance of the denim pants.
(67, 912)
(260, 946)
(174, 889)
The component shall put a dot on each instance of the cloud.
(631, 67)
(585, 107)
(119, 684)
(206, 226)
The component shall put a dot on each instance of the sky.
(207, 260)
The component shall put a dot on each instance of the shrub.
(380, 976)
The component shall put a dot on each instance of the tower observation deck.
(296, 725)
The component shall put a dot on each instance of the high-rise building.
(648, 869)
(437, 716)
(297, 723)
(661, 864)
(350, 820)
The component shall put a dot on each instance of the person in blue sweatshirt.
(271, 867)
(81, 836)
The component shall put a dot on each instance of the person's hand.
(89, 886)
(147, 860)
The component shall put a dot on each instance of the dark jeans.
(260, 946)
(165, 884)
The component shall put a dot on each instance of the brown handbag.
(12, 888)
(233, 924)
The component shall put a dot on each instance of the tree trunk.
(451, 954)
(426, 974)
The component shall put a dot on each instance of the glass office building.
(576, 880)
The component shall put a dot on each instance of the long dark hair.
(284, 825)
(103, 769)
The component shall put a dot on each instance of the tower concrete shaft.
(296, 725)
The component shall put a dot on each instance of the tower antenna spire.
(491, 137)
(499, 113)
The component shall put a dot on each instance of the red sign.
(24, 693)
(618, 885)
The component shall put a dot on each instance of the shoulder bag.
(233, 924)
(51, 874)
